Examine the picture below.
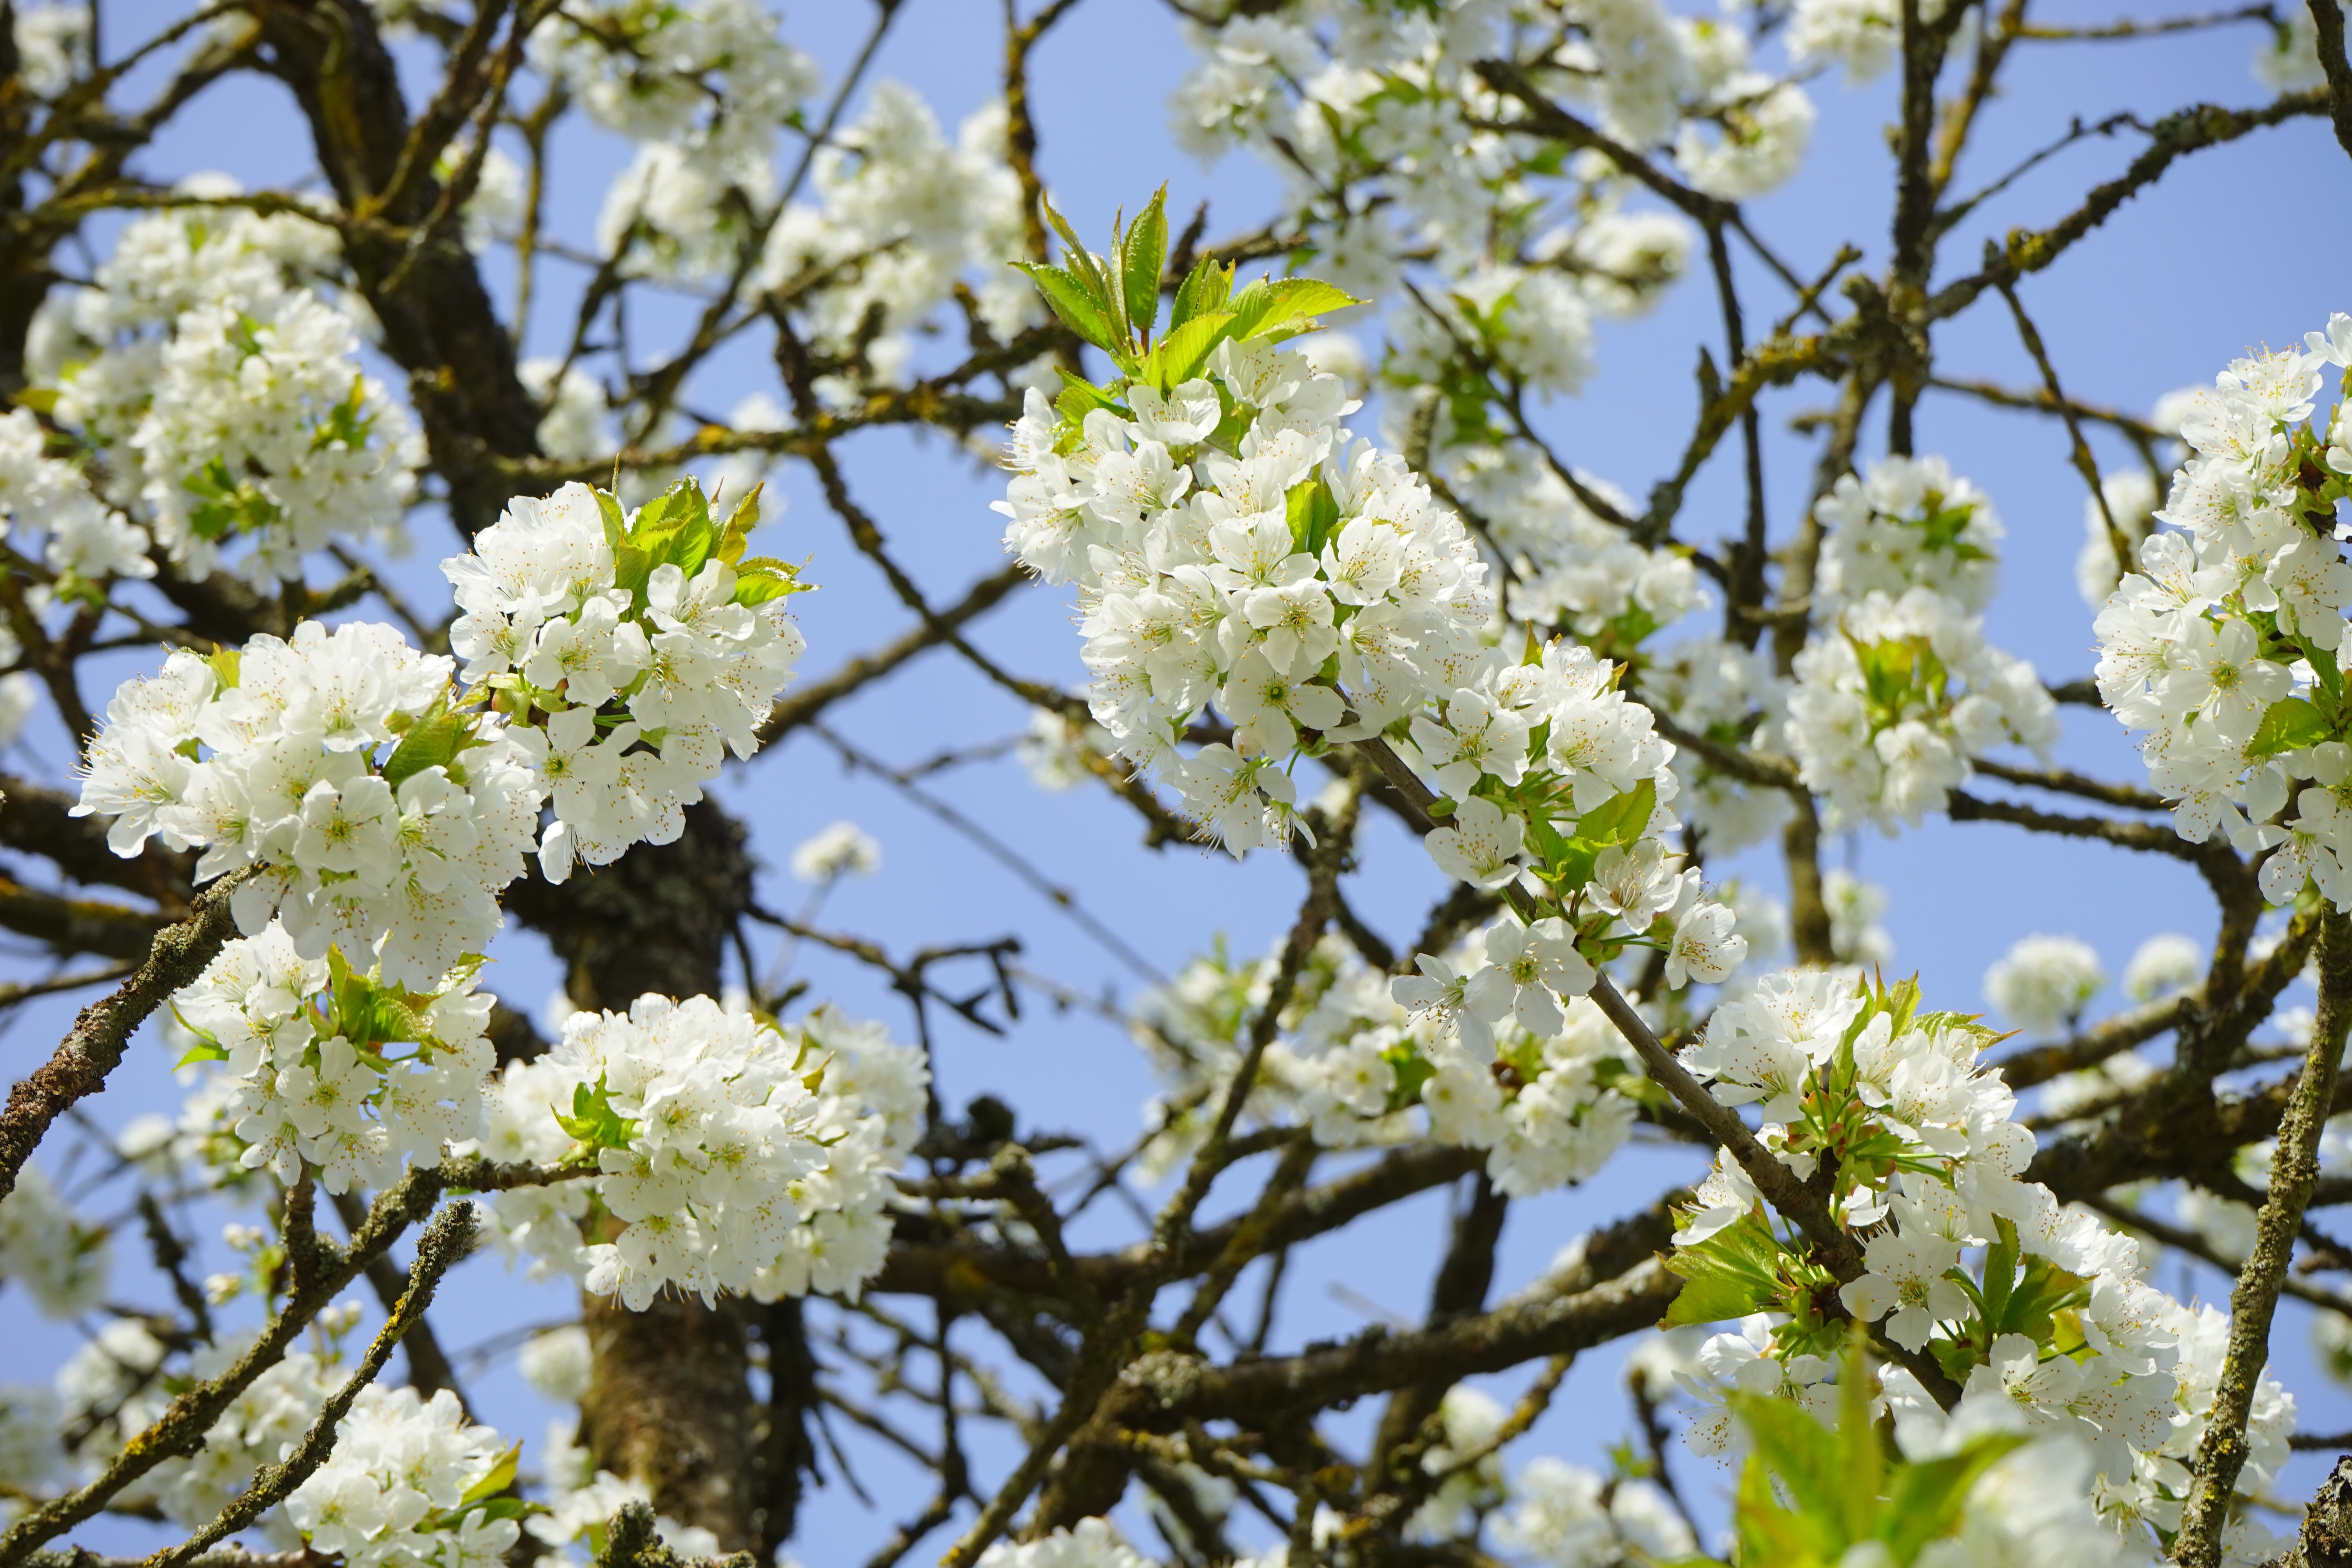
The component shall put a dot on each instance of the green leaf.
(226, 504)
(1924, 1499)
(1801, 1451)
(2288, 724)
(207, 1047)
(1313, 515)
(1205, 289)
(433, 741)
(632, 569)
(1140, 258)
(674, 529)
(1072, 302)
(498, 1478)
(1621, 819)
(1080, 261)
(740, 524)
(40, 399)
(1769, 1533)
(229, 666)
(1080, 397)
(760, 579)
(1249, 307)
(1732, 1273)
(616, 522)
(593, 1121)
(1284, 303)
(2042, 1289)
(1179, 356)
(369, 1013)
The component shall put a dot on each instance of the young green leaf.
(499, 1476)
(1802, 1453)
(1732, 1273)
(1141, 256)
(1179, 356)
(740, 524)
(2288, 724)
(1074, 302)
(1620, 819)
(593, 1121)
(433, 741)
(1293, 301)
(1081, 262)
(1205, 289)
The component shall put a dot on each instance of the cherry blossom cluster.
(1385, 132)
(1233, 548)
(52, 1254)
(410, 1484)
(701, 89)
(739, 1156)
(1899, 690)
(2033, 1308)
(641, 650)
(1568, 569)
(122, 1382)
(2227, 647)
(612, 660)
(1547, 1091)
(1090, 1543)
(45, 499)
(1174, 519)
(1555, 784)
(223, 384)
(1715, 689)
(901, 212)
(380, 820)
(336, 1068)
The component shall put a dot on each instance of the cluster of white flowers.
(1568, 569)
(577, 1501)
(619, 635)
(1197, 588)
(224, 387)
(2044, 982)
(1570, 1517)
(2227, 647)
(838, 850)
(48, 499)
(52, 46)
(55, 1256)
(384, 809)
(740, 1156)
(1715, 689)
(408, 1485)
(1928, 1161)
(701, 89)
(1384, 137)
(1898, 689)
(355, 1077)
(1091, 1543)
(1233, 547)
(382, 823)
(1548, 1090)
(900, 213)
(122, 1382)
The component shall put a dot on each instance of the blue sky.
(2236, 248)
